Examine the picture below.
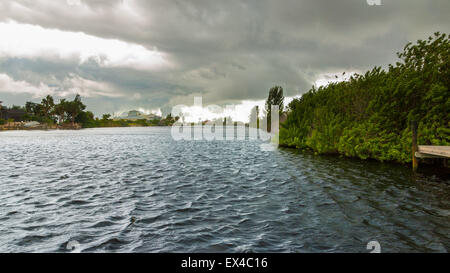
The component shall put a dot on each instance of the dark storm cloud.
(226, 51)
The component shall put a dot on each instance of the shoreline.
(22, 126)
(427, 165)
(67, 128)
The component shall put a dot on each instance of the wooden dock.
(433, 152)
(424, 151)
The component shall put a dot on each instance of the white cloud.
(88, 88)
(30, 41)
(150, 111)
(8, 85)
(238, 112)
(70, 86)
(74, 2)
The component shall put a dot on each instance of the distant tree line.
(73, 113)
(54, 113)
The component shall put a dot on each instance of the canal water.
(139, 190)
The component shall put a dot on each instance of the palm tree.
(74, 108)
(47, 106)
(60, 110)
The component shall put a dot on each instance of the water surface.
(137, 190)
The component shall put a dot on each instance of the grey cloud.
(228, 51)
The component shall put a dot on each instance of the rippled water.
(137, 190)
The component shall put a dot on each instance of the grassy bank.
(369, 115)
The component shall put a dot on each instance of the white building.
(137, 115)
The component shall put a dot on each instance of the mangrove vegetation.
(369, 115)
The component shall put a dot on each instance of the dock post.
(415, 160)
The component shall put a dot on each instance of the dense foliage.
(87, 120)
(369, 116)
(49, 112)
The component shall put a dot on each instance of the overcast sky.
(150, 55)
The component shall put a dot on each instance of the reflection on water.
(137, 190)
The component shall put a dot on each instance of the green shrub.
(369, 115)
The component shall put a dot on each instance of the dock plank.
(442, 151)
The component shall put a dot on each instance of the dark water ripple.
(137, 190)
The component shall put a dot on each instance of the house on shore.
(137, 115)
(15, 114)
